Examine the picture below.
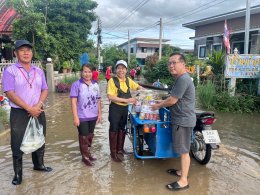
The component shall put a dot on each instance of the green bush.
(206, 95)
(69, 80)
(208, 98)
(160, 71)
(64, 85)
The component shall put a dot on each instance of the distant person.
(138, 72)
(118, 92)
(182, 107)
(132, 73)
(25, 86)
(108, 73)
(86, 109)
(157, 84)
(95, 74)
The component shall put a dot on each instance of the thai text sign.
(242, 66)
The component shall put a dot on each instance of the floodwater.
(233, 169)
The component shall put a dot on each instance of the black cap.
(20, 43)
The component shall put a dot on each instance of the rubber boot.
(90, 138)
(113, 136)
(18, 170)
(84, 150)
(121, 142)
(37, 158)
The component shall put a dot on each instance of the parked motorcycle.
(204, 139)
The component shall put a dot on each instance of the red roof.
(7, 16)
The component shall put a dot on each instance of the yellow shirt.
(112, 89)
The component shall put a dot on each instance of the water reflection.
(233, 169)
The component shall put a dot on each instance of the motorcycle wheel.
(200, 151)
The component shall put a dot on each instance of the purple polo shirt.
(87, 99)
(27, 85)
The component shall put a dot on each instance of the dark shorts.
(86, 127)
(117, 117)
(181, 137)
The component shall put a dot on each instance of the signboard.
(242, 66)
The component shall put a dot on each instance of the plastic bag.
(33, 137)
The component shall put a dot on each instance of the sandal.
(176, 187)
(173, 172)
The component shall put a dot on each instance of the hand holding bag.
(33, 137)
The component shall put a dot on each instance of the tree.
(167, 50)
(159, 71)
(216, 60)
(111, 54)
(64, 35)
(150, 61)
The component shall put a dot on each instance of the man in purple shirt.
(25, 86)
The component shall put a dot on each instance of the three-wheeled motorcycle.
(153, 138)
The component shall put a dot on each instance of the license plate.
(211, 136)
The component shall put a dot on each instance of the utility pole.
(128, 48)
(45, 17)
(247, 27)
(160, 40)
(99, 41)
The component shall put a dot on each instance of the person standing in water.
(86, 109)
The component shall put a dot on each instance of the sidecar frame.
(159, 144)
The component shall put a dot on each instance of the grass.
(206, 95)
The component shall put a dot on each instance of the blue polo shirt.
(87, 99)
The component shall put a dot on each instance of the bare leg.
(185, 165)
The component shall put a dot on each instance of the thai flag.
(226, 37)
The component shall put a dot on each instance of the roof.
(221, 17)
(147, 40)
(7, 16)
(149, 45)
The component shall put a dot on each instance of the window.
(132, 50)
(202, 51)
(217, 47)
(144, 50)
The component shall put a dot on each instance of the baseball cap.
(122, 62)
(20, 43)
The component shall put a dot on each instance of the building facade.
(209, 32)
(142, 47)
(7, 16)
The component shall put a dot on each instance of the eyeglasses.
(172, 63)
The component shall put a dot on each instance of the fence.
(6, 63)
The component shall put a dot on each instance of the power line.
(115, 35)
(123, 13)
(188, 13)
(193, 11)
(141, 4)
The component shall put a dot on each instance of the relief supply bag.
(33, 137)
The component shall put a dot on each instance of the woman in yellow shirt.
(118, 92)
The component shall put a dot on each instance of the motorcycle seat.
(205, 114)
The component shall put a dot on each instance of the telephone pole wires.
(99, 41)
(160, 40)
(128, 58)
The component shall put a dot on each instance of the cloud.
(118, 16)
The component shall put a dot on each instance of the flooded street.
(233, 169)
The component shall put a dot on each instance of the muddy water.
(233, 169)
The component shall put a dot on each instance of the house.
(209, 32)
(7, 16)
(142, 47)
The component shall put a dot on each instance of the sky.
(141, 18)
